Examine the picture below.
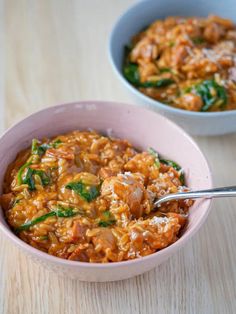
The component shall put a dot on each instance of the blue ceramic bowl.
(144, 13)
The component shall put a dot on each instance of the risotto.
(86, 197)
(187, 63)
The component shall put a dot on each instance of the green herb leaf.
(67, 211)
(54, 168)
(167, 162)
(34, 146)
(171, 163)
(43, 176)
(108, 223)
(187, 89)
(59, 212)
(198, 40)
(40, 150)
(29, 178)
(43, 238)
(154, 153)
(160, 83)
(21, 170)
(15, 202)
(56, 143)
(127, 50)
(177, 167)
(163, 70)
(108, 220)
(37, 149)
(35, 221)
(131, 73)
(89, 193)
(182, 177)
(211, 93)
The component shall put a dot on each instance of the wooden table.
(55, 52)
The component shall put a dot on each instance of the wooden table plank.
(55, 52)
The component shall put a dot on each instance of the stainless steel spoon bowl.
(228, 191)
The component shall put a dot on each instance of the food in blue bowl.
(187, 63)
(179, 61)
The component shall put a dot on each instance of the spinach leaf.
(43, 176)
(68, 211)
(160, 83)
(163, 70)
(37, 149)
(15, 202)
(127, 51)
(103, 223)
(30, 180)
(59, 212)
(89, 193)
(35, 221)
(131, 73)
(177, 167)
(154, 153)
(171, 163)
(34, 145)
(21, 170)
(167, 162)
(108, 220)
(44, 238)
(56, 143)
(198, 40)
(211, 93)
(40, 150)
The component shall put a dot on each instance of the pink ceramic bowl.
(143, 128)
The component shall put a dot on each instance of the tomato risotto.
(187, 63)
(86, 197)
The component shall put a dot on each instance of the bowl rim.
(139, 94)
(54, 259)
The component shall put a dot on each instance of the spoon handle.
(228, 191)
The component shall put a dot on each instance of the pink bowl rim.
(173, 247)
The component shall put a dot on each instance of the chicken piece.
(104, 240)
(78, 231)
(231, 35)
(226, 23)
(145, 49)
(142, 162)
(60, 153)
(163, 231)
(190, 102)
(146, 70)
(179, 55)
(106, 172)
(79, 255)
(182, 219)
(213, 33)
(127, 188)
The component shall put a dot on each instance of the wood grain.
(55, 52)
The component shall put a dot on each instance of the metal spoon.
(228, 191)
